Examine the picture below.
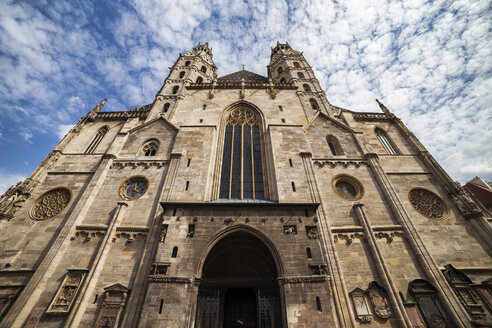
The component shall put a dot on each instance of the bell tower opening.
(239, 285)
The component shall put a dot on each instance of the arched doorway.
(239, 285)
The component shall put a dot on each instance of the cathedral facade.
(243, 201)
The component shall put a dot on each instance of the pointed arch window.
(282, 80)
(187, 63)
(242, 168)
(199, 80)
(334, 145)
(300, 75)
(166, 107)
(203, 69)
(296, 65)
(150, 148)
(386, 141)
(97, 140)
(314, 104)
(175, 89)
(181, 74)
(306, 88)
(280, 70)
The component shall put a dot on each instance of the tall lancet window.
(97, 139)
(242, 168)
(386, 141)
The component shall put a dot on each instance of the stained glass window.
(242, 167)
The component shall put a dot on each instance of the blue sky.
(428, 62)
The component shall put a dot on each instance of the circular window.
(427, 203)
(134, 187)
(348, 187)
(50, 204)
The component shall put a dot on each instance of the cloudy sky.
(428, 62)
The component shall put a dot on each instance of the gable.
(158, 129)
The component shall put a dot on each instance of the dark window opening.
(296, 65)
(332, 149)
(175, 89)
(204, 107)
(282, 80)
(203, 69)
(318, 304)
(283, 120)
(280, 108)
(280, 70)
(95, 298)
(309, 255)
(181, 74)
(166, 107)
(314, 104)
(199, 79)
(386, 141)
(160, 306)
(300, 75)
(175, 251)
(293, 186)
(306, 88)
(174, 211)
(187, 63)
(290, 162)
(201, 120)
(187, 185)
(189, 162)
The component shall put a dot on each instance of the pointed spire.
(383, 108)
(92, 114)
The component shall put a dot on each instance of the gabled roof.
(329, 118)
(243, 74)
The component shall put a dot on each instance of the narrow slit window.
(204, 107)
(308, 251)
(97, 140)
(199, 80)
(160, 306)
(332, 149)
(201, 120)
(175, 251)
(174, 211)
(290, 162)
(242, 167)
(189, 162)
(280, 108)
(187, 185)
(293, 186)
(318, 304)
(283, 120)
(95, 298)
(175, 89)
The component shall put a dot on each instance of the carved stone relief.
(112, 306)
(159, 268)
(348, 237)
(427, 203)
(312, 232)
(50, 204)
(13, 199)
(361, 306)
(426, 296)
(162, 237)
(318, 269)
(379, 301)
(290, 230)
(67, 292)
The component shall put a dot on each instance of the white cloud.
(63, 130)
(428, 61)
(7, 180)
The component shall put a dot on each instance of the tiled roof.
(239, 75)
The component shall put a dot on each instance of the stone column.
(90, 281)
(341, 298)
(447, 296)
(383, 270)
(36, 286)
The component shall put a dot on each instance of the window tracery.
(386, 141)
(97, 140)
(242, 167)
(427, 203)
(314, 104)
(306, 88)
(300, 75)
(150, 148)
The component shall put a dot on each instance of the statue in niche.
(377, 295)
(312, 232)
(290, 230)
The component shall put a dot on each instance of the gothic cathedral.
(243, 201)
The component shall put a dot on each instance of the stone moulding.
(303, 279)
(348, 237)
(120, 164)
(169, 280)
(370, 117)
(332, 163)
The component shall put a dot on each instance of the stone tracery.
(427, 203)
(50, 204)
